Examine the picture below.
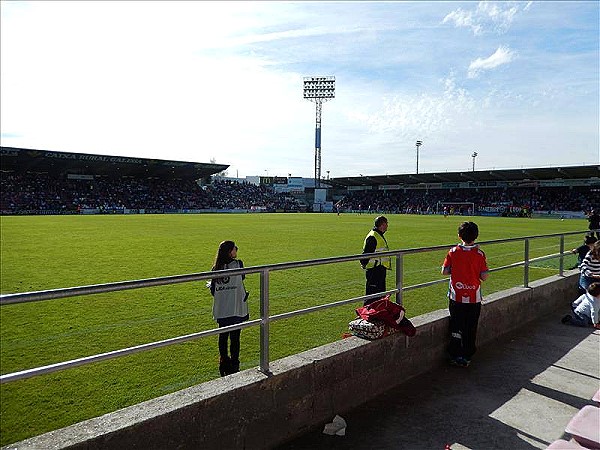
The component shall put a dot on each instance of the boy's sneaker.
(566, 319)
(459, 361)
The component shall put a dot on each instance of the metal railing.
(265, 317)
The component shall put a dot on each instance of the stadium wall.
(252, 410)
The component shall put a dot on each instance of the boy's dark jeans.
(580, 321)
(464, 318)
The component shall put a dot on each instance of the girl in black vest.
(230, 305)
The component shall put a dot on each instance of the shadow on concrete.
(519, 393)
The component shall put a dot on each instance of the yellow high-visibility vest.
(382, 246)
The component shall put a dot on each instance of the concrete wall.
(250, 410)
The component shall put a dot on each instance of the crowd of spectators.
(421, 201)
(31, 193)
(228, 194)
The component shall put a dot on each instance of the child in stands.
(585, 309)
(466, 264)
(590, 267)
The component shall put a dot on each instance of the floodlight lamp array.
(319, 88)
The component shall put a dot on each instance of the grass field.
(45, 252)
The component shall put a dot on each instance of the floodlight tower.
(318, 90)
(474, 155)
(418, 144)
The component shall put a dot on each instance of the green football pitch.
(49, 252)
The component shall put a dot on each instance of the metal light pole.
(318, 90)
(474, 155)
(418, 144)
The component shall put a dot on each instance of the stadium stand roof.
(58, 163)
(530, 174)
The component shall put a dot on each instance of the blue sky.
(516, 82)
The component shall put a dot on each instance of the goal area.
(456, 208)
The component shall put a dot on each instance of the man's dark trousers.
(375, 281)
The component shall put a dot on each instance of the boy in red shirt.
(467, 267)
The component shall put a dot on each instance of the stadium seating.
(35, 193)
(585, 427)
(41, 193)
(561, 444)
(419, 201)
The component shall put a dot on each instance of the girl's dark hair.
(223, 257)
(468, 231)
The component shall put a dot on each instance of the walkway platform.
(518, 393)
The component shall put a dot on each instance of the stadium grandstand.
(51, 182)
(567, 192)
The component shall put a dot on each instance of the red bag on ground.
(388, 312)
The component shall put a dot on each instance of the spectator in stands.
(585, 309)
(23, 192)
(230, 305)
(514, 201)
(583, 249)
(376, 268)
(590, 267)
(594, 219)
(466, 264)
(41, 193)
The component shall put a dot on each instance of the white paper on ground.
(337, 427)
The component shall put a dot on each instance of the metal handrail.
(22, 297)
(265, 319)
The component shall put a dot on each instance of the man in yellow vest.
(376, 268)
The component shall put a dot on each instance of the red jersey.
(466, 263)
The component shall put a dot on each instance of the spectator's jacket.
(229, 294)
(374, 243)
(466, 264)
(589, 266)
(587, 306)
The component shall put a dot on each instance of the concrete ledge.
(249, 410)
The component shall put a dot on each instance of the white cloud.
(501, 15)
(487, 16)
(425, 113)
(463, 19)
(503, 55)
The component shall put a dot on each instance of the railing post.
(526, 265)
(399, 272)
(264, 322)
(561, 263)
